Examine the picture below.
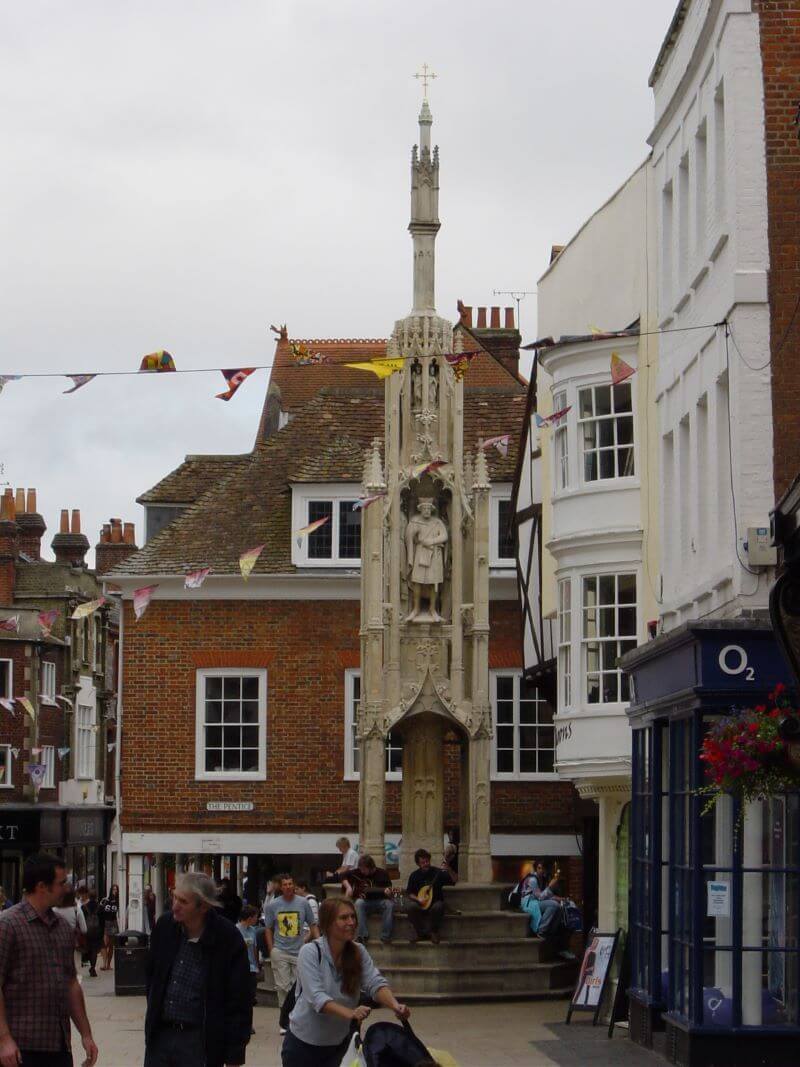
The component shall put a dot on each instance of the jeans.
(284, 971)
(386, 909)
(425, 921)
(551, 916)
(297, 1053)
(175, 1048)
(46, 1059)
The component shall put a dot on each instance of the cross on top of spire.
(425, 75)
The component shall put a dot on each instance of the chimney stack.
(69, 544)
(481, 319)
(495, 319)
(502, 341)
(509, 319)
(9, 548)
(115, 545)
(31, 526)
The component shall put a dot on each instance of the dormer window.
(337, 543)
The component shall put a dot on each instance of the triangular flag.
(304, 531)
(111, 746)
(364, 502)
(541, 422)
(424, 468)
(500, 443)
(247, 560)
(381, 367)
(8, 705)
(620, 370)
(80, 380)
(557, 416)
(157, 362)
(234, 378)
(15, 752)
(141, 599)
(6, 378)
(460, 363)
(37, 771)
(11, 624)
(87, 609)
(595, 330)
(303, 357)
(46, 620)
(194, 579)
(26, 704)
(62, 752)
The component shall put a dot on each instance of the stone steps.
(458, 953)
(466, 926)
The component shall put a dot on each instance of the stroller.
(388, 1045)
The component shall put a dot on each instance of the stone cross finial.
(425, 75)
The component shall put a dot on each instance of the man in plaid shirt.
(39, 990)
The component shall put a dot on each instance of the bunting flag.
(157, 362)
(500, 443)
(234, 378)
(46, 620)
(381, 367)
(312, 526)
(303, 357)
(194, 579)
(80, 380)
(28, 707)
(620, 370)
(11, 624)
(595, 330)
(64, 700)
(460, 362)
(557, 416)
(425, 468)
(364, 502)
(8, 705)
(141, 599)
(6, 378)
(247, 560)
(62, 752)
(88, 608)
(541, 421)
(37, 771)
(111, 746)
(15, 752)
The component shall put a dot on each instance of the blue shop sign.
(739, 659)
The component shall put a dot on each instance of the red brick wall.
(301, 644)
(780, 54)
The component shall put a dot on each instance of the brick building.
(67, 671)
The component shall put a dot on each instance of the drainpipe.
(122, 872)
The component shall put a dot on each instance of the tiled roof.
(189, 481)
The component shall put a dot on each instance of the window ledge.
(538, 776)
(221, 776)
(605, 485)
(390, 776)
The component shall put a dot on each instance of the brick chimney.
(116, 543)
(9, 547)
(31, 527)
(502, 341)
(69, 544)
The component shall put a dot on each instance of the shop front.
(715, 889)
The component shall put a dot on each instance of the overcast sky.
(180, 174)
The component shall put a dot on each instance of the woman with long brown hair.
(332, 973)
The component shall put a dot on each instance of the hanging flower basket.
(754, 753)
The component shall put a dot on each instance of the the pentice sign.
(229, 805)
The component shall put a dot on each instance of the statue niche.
(426, 540)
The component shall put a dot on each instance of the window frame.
(561, 478)
(517, 775)
(85, 754)
(49, 780)
(335, 494)
(48, 694)
(564, 655)
(200, 772)
(7, 781)
(9, 674)
(350, 773)
(502, 491)
(617, 637)
(615, 449)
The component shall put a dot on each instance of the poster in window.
(594, 973)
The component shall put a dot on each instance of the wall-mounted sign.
(718, 903)
(229, 805)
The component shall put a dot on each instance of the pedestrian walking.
(230, 900)
(199, 1009)
(95, 930)
(73, 916)
(39, 987)
(283, 920)
(247, 928)
(301, 886)
(333, 973)
(110, 908)
(149, 912)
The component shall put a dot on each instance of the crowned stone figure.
(426, 538)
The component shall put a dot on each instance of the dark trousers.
(46, 1059)
(175, 1048)
(425, 922)
(297, 1053)
(254, 985)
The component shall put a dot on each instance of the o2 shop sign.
(732, 660)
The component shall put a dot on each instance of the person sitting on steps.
(425, 909)
(371, 890)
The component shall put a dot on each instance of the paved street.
(487, 1036)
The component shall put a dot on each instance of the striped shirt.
(37, 965)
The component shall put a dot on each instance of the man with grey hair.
(199, 1001)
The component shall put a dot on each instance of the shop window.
(523, 743)
(609, 631)
(605, 427)
(85, 740)
(352, 748)
(48, 683)
(6, 678)
(6, 769)
(231, 724)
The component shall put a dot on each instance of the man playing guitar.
(371, 890)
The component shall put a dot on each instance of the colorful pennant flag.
(37, 771)
(6, 378)
(111, 746)
(80, 380)
(46, 619)
(157, 362)
(425, 468)
(234, 378)
(194, 579)
(141, 599)
(541, 421)
(381, 367)
(460, 363)
(88, 608)
(304, 357)
(595, 330)
(247, 560)
(62, 752)
(557, 416)
(11, 624)
(8, 705)
(15, 752)
(620, 370)
(500, 443)
(304, 531)
(28, 707)
(364, 502)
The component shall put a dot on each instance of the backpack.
(571, 916)
(515, 896)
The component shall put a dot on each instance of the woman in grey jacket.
(332, 972)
